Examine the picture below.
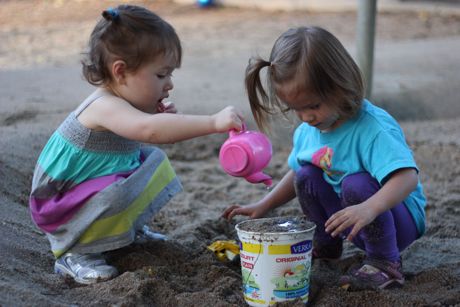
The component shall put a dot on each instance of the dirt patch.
(283, 224)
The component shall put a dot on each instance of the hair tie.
(265, 63)
(111, 14)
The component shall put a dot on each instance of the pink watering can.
(246, 154)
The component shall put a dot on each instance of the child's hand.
(253, 211)
(166, 107)
(356, 216)
(228, 119)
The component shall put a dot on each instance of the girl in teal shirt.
(350, 167)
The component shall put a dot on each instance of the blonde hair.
(132, 34)
(314, 59)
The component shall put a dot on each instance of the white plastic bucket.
(275, 259)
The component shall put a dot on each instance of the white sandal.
(85, 268)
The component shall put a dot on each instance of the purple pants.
(384, 238)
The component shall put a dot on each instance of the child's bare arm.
(393, 192)
(161, 128)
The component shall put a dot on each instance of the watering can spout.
(260, 177)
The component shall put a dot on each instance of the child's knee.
(148, 150)
(358, 187)
(306, 174)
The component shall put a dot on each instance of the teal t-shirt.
(371, 142)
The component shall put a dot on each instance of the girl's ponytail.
(258, 98)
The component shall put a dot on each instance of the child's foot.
(373, 274)
(85, 268)
(327, 251)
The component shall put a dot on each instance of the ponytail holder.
(111, 14)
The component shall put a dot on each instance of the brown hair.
(132, 34)
(314, 59)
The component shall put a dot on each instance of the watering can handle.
(232, 132)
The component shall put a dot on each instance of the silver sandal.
(85, 268)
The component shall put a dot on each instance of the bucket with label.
(275, 259)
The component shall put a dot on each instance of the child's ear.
(119, 72)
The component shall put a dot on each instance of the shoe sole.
(63, 271)
(394, 283)
(397, 283)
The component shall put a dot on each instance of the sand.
(40, 84)
(284, 225)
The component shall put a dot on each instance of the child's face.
(150, 84)
(310, 108)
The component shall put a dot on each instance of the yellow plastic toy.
(225, 250)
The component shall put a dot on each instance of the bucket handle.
(252, 269)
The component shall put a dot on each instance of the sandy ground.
(40, 42)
